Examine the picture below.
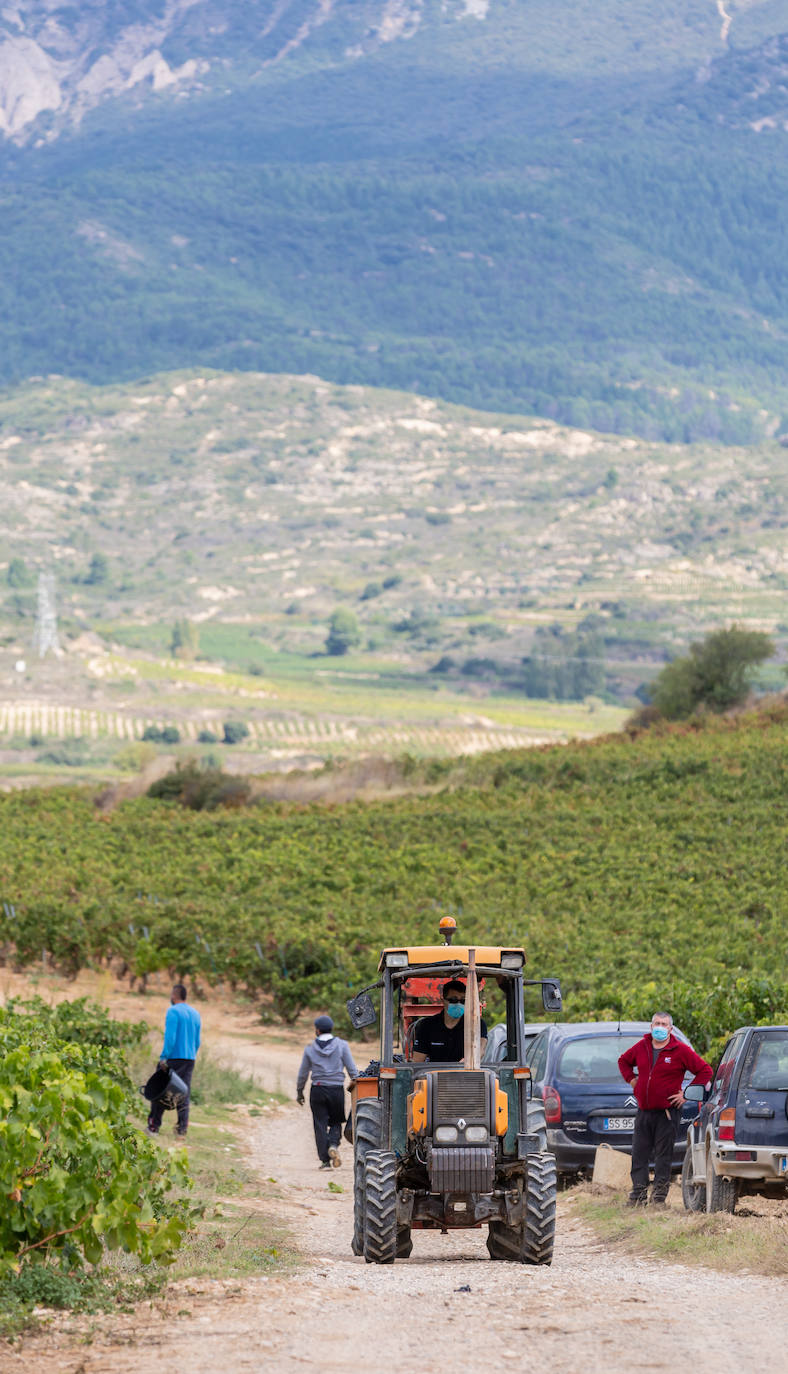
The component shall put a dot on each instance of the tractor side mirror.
(551, 995)
(361, 1011)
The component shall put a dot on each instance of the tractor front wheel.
(532, 1241)
(381, 1233)
(367, 1137)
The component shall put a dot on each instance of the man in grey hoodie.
(326, 1058)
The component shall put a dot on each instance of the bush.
(207, 737)
(167, 734)
(234, 731)
(200, 789)
(75, 1175)
(19, 575)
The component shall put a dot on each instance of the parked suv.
(574, 1070)
(739, 1142)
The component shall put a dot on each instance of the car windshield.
(769, 1066)
(594, 1058)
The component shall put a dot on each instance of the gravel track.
(593, 1309)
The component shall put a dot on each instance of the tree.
(185, 639)
(716, 673)
(18, 574)
(98, 571)
(343, 632)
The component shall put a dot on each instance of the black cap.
(323, 1024)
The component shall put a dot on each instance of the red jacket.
(657, 1082)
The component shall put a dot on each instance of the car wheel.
(693, 1195)
(721, 1193)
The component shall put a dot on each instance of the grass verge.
(753, 1242)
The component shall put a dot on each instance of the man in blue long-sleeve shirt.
(181, 1043)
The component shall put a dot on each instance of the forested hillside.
(569, 210)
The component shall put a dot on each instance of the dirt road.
(447, 1306)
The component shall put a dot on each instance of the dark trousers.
(184, 1069)
(653, 1139)
(328, 1112)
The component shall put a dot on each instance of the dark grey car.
(739, 1142)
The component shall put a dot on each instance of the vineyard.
(77, 1175)
(654, 860)
(49, 722)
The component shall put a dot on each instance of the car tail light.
(552, 1106)
(744, 1154)
(727, 1124)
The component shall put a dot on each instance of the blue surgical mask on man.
(456, 1010)
(660, 1034)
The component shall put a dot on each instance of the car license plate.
(618, 1123)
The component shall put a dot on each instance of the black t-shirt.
(441, 1043)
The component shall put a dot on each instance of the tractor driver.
(441, 1038)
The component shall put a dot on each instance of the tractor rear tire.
(532, 1241)
(368, 1131)
(381, 1232)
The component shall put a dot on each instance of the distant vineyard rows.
(617, 863)
(45, 721)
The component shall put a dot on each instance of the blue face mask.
(455, 1010)
(660, 1034)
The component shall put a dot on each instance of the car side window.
(537, 1058)
(724, 1071)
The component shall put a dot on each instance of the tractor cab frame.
(449, 1145)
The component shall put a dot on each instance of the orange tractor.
(453, 1143)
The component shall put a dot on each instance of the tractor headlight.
(445, 1135)
(514, 960)
(476, 1135)
(398, 960)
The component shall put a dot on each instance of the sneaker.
(180, 1134)
(151, 1130)
(658, 1204)
(637, 1200)
(325, 1164)
(333, 1154)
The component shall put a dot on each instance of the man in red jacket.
(655, 1067)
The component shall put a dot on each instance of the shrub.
(167, 734)
(200, 789)
(18, 574)
(234, 731)
(76, 1176)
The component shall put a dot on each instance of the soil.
(448, 1305)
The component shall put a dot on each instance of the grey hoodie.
(326, 1058)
